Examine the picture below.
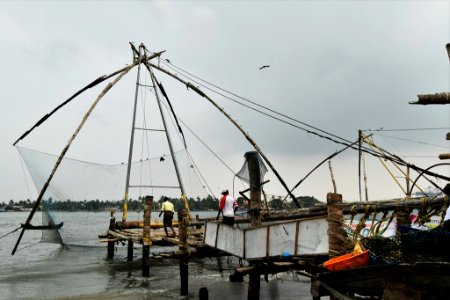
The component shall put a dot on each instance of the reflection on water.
(81, 269)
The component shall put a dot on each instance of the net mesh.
(244, 172)
(77, 181)
(411, 246)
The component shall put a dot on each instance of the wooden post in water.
(130, 250)
(112, 226)
(252, 158)
(146, 240)
(183, 219)
(336, 231)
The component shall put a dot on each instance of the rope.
(331, 137)
(11, 232)
(29, 246)
(283, 115)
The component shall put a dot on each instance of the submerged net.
(77, 184)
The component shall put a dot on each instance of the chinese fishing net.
(82, 191)
(244, 172)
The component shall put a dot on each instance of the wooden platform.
(158, 237)
(295, 237)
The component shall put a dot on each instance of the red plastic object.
(347, 261)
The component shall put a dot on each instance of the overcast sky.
(338, 65)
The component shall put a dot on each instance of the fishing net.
(412, 245)
(388, 241)
(86, 186)
(244, 172)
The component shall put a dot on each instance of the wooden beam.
(444, 156)
(438, 98)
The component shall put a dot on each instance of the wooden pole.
(255, 188)
(130, 250)
(403, 218)
(130, 151)
(365, 180)
(183, 219)
(112, 225)
(254, 282)
(146, 240)
(332, 177)
(408, 183)
(359, 162)
(254, 285)
(203, 294)
(336, 231)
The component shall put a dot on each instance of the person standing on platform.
(227, 207)
(168, 210)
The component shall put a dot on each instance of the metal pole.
(130, 152)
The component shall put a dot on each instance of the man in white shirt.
(228, 207)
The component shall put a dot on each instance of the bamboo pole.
(360, 207)
(332, 177)
(359, 163)
(130, 151)
(169, 142)
(66, 148)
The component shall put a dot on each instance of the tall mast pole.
(130, 152)
(169, 141)
(360, 140)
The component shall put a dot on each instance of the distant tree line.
(198, 204)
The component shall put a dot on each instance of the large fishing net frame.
(58, 178)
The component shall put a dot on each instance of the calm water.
(81, 271)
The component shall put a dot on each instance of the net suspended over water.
(78, 183)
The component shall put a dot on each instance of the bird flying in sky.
(266, 66)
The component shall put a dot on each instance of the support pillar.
(336, 231)
(255, 188)
(112, 226)
(254, 283)
(146, 240)
(130, 250)
(183, 220)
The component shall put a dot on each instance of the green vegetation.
(198, 204)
